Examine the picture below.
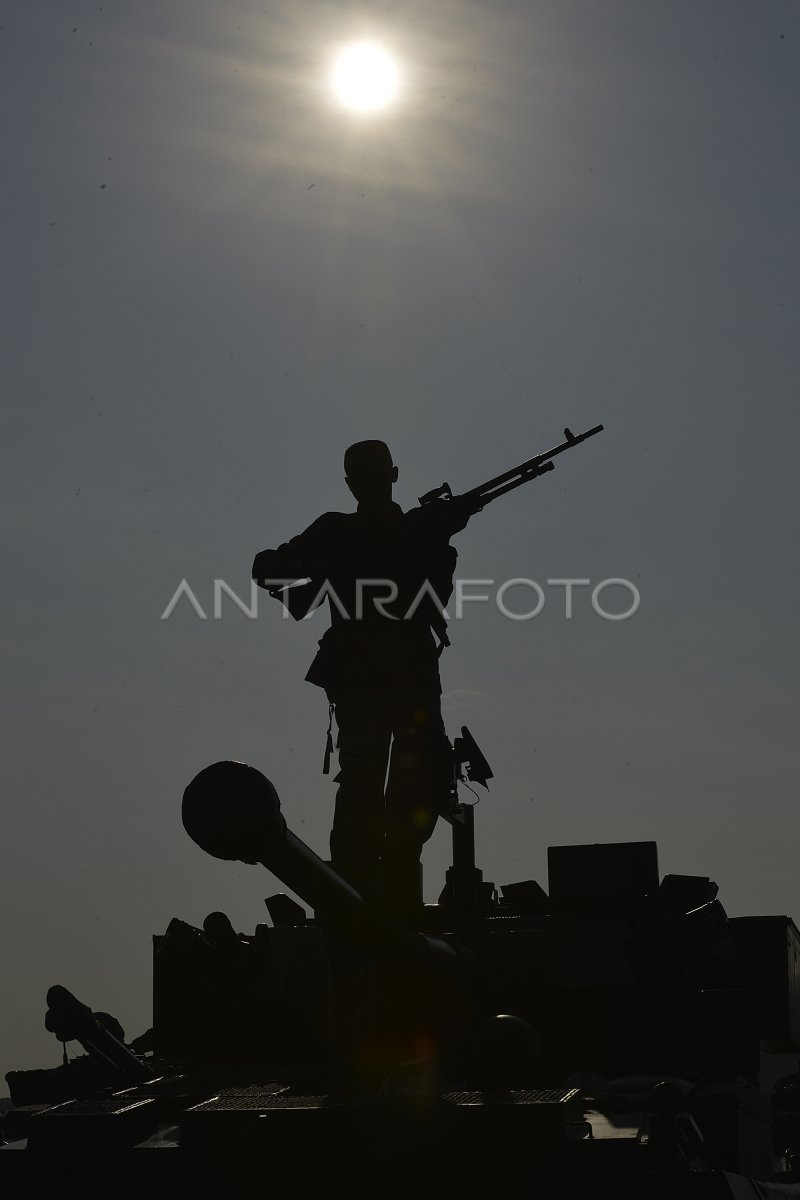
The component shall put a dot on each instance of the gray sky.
(580, 211)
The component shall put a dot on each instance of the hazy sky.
(216, 279)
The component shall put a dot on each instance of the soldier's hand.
(459, 511)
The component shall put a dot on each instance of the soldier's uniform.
(381, 673)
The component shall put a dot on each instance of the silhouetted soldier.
(387, 575)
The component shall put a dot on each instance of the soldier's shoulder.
(333, 520)
(331, 528)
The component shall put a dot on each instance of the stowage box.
(769, 953)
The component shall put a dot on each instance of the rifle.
(478, 497)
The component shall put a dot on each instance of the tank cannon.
(233, 812)
(389, 986)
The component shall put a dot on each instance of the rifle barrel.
(527, 470)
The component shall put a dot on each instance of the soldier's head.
(370, 472)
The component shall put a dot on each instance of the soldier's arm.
(308, 555)
(444, 518)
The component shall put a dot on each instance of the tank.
(609, 1035)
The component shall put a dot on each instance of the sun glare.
(364, 77)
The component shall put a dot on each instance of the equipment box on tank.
(769, 950)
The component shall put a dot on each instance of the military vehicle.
(608, 1036)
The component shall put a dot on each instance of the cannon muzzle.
(232, 812)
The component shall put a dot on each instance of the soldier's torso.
(378, 639)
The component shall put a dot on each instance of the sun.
(364, 77)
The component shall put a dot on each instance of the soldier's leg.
(417, 791)
(364, 738)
